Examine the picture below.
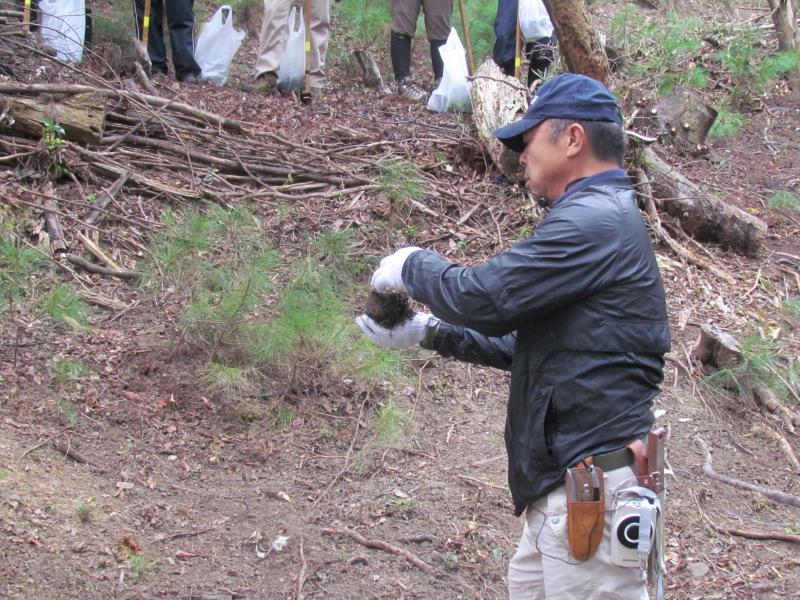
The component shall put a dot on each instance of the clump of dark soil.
(388, 310)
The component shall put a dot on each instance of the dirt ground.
(149, 489)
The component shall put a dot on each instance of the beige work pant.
(543, 569)
(275, 32)
(437, 17)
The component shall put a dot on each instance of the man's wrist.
(429, 335)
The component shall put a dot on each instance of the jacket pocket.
(529, 423)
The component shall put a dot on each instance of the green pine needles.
(260, 315)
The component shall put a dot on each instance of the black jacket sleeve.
(569, 256)
(470, 346)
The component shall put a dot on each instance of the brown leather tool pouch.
(585, 510)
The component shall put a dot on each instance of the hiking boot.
(408, 89)
(189, 78)
(267, 83)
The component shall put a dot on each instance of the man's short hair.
(606, 139)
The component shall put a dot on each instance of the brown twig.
(181, 534)
(84, 264)
(772, 494)
(381, 545)
(782, 537)
(301, 576)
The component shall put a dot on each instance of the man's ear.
(576, 140)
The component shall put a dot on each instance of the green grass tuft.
(401, 181)
(17, 264)
(791, 306)
(391, 423)
(65, 370)
(726, 124)
(66, 308)
(784, 201)
(228, 381)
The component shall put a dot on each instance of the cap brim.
(511, 135)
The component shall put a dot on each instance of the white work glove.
(405, 335)
(388, 277)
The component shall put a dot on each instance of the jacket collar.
(612, 177)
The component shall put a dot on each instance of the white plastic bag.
(453, 92)
(217, 45)
(534, 20)
(292, 69)
(63, 26)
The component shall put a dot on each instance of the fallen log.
(81, 115)
(702, 215)
(157, 101)
(497, 100)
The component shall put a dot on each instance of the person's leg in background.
(505, 31)
(437, 28)
(320, 32)
(272, 43)
(541, 54)
(155, 39)
(404, 25)
(180, 20)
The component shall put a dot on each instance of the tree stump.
(81, 115)
(497, 100)
(716, 349)
(681, 118)
(370, 74)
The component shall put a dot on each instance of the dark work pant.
(180, 21)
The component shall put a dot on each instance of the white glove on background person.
(406, 335)
(388, 277)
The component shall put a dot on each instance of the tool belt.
(583, 484)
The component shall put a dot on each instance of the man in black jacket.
(576, 312)
(180, 22)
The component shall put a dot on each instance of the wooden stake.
(305, 97)
(518, 51)
(145, 22)
(26, 13)
(467, 38)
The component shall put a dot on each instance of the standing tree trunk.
(578, 41)
(784, 17)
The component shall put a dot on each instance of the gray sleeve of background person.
(470, 346)
(571, 254)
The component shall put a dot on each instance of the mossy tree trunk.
(578, 41)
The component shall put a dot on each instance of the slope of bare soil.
(149, 488)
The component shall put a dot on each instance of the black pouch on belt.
(585, 510)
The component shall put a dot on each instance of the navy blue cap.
(568, 96)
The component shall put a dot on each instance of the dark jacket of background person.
(576, 312)
(540, 52)
(180, 22)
